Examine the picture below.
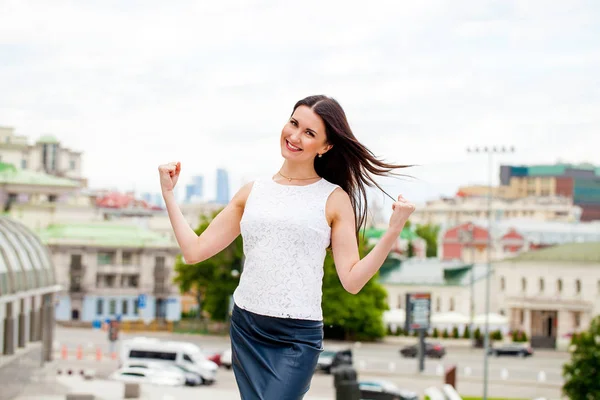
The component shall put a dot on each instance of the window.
(502, 284)
(522, 316)
(153, 355)
(523, 284)
(187, 358)
(75, 260)
(112, 307)
(578, 286)
(99, 306)
(136, 307)
(125, 306)
(438, 304)
(577, 319)
(23, 164)
(400, 301)
(105, 257)
(127, 258)
(160, 262)
(541, 284)
(451, 303)
(72, 165)
(559, 285)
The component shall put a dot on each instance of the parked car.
(384, 390)
(191, 378)
(332, 358)
(152, 376)
(432, 350)
(214, 357)
(226, 359)
(512, 349)
(186, 355)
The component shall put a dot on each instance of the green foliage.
(581, 372)
(435, 333)
(211, 281)
(455, 333)
(429, 233)
(445, 334)
(496, 335)
(356, 317)
(477, 334)
(519, 336)
(410, 253)
(467, 333)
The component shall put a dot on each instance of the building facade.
(456, 210)
(27, 296)
(107, 268)
(46, 155)
(469, 241)
(581, 183)
(222, 186)
(551, 293)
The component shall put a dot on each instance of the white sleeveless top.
(286, 235)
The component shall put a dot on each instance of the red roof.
(120, 200)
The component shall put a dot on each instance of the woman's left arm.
(353, 272)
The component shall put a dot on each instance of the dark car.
(384, 390)
(330, 359)
(512, 349)
(432, 350)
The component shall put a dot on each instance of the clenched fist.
(401, 211)
(169, 173)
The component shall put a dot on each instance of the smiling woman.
(316, 200)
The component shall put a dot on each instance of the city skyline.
(419, 82)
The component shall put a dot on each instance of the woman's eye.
(310, 134)
(294, 123)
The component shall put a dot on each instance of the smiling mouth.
(291, 147)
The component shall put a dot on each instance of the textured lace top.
(286, 235)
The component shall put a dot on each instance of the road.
(509, 377)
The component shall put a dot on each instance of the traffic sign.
(142, 301)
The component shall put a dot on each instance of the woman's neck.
(298, 171)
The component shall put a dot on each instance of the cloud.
(139, 83)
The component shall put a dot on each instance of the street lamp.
(490, 151)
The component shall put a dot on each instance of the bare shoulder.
(239, 199)
(338, 205)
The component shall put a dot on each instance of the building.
(27, 295)
(222, 186)
(550, 293)
(510, 238)
(45, 155)
(460, 209)
(581, 183)
(105, 267)
(401, 248)
(195, 190)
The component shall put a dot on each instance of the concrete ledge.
(132, 391)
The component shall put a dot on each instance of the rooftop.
(48, 139)
(432, 272)
(104, 234)
(9, 174)
(570, 252)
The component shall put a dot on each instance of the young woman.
(316, 200)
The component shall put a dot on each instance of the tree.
(581, 373)
(211, 280)
(352, 316)
(429, 233)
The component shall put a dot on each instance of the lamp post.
(490, 151)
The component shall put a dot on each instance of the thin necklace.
(297, 179)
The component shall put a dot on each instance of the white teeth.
(293, 147)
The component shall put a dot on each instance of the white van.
(187, 355)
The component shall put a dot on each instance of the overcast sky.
(134, 84)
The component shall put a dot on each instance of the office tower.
(194, 190)
(222, 186)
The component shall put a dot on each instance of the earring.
(320, 155)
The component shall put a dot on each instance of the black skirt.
(273, 358)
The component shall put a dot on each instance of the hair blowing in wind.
(349, 163)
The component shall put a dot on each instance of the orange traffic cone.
(98, 354)
(64, 352)
(79, 352)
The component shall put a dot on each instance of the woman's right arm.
(221, 231)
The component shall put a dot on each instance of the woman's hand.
(401, 211)
(169, 173)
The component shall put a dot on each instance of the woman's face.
(303, 136)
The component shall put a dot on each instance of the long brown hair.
(348, 163)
